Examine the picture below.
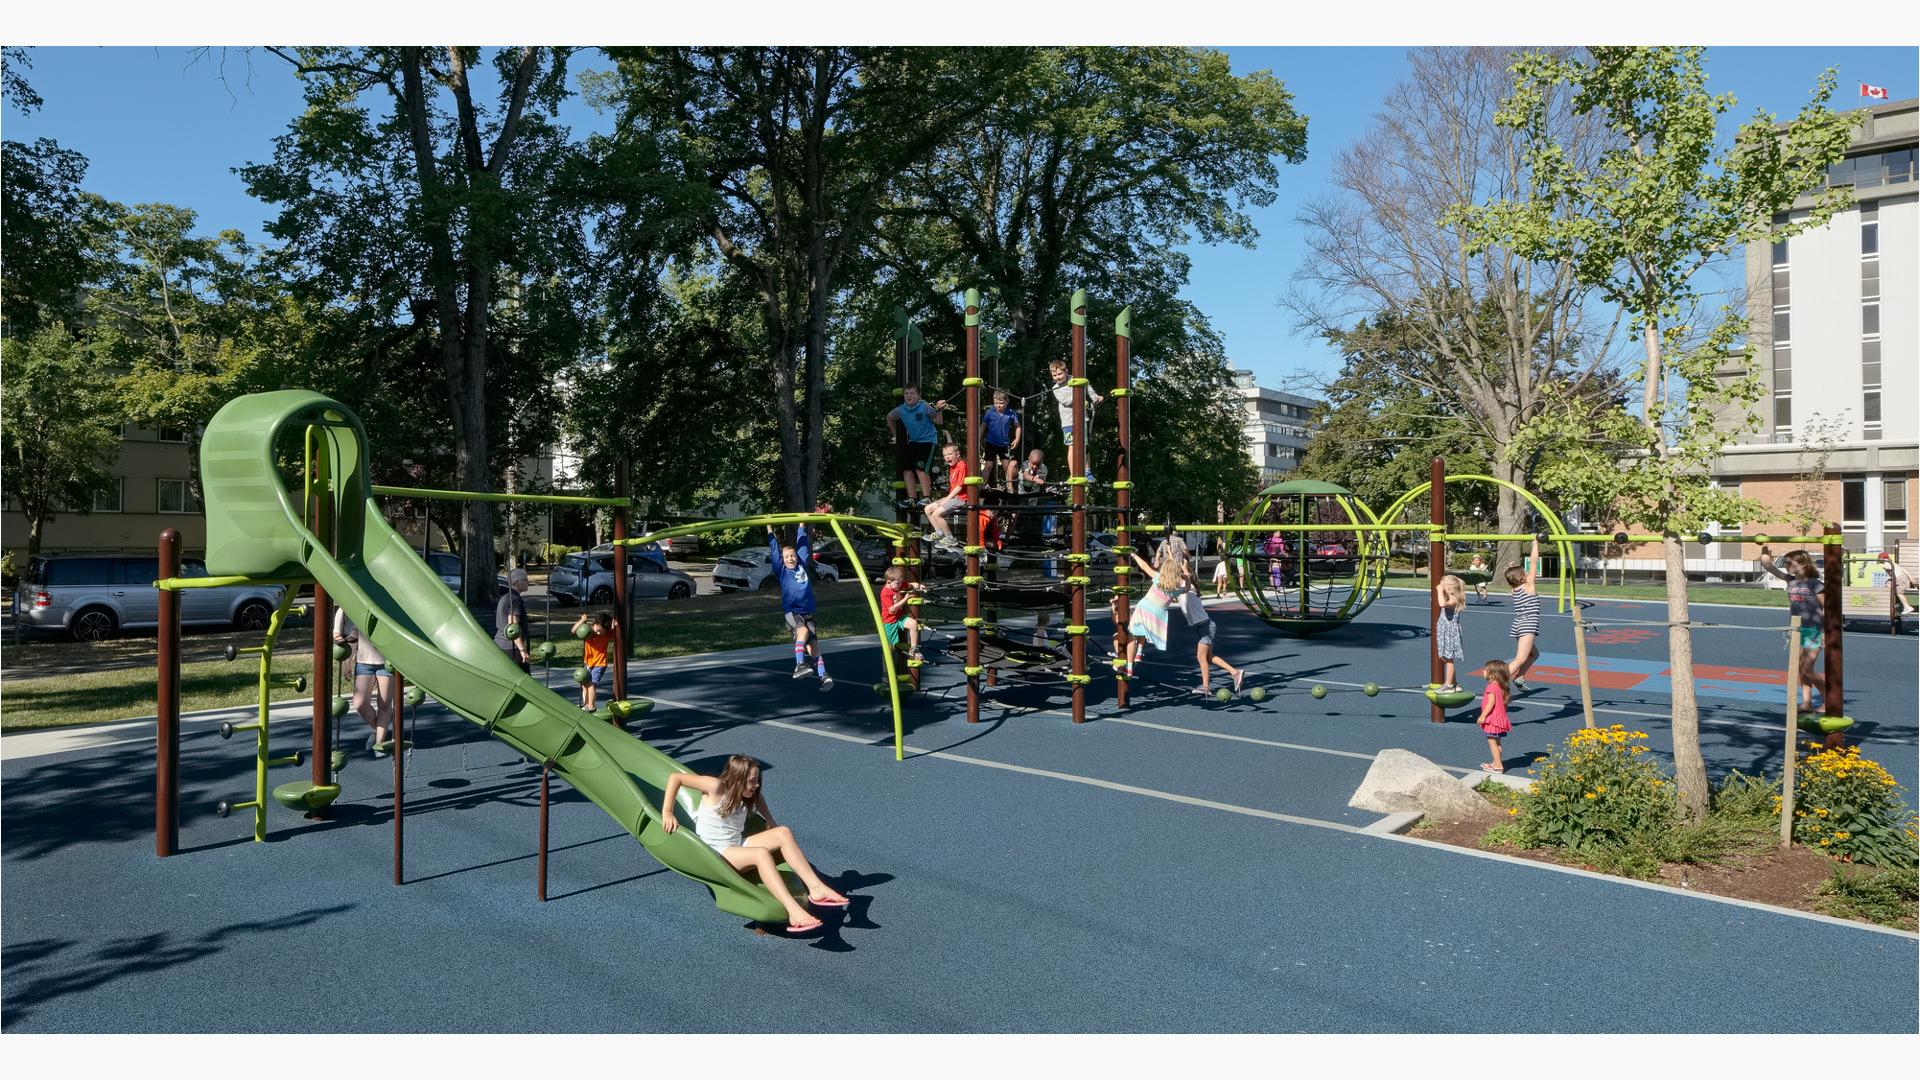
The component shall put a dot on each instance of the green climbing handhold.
(341, 652)
(583, 631)
(1319, 691)
(513, 631)
(340, 705)
(299, 684)
(415, 695)
(1258, 693)
(620, 709)
(543, 652)
(879, 688)
(580, 675)
(339, 760)
(1371, 689)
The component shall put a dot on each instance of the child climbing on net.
(1446, 630)
(894, 595)
(721, 822)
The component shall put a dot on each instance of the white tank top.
(720, 832)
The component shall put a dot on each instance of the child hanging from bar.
(794, 567)
(1802, 576)
(1526, 617)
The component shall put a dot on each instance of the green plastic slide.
(255, 528)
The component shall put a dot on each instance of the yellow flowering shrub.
(1598, 790)
(1848, 806)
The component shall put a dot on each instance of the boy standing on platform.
(916, 429)
(1000, 431)
(1063, 396)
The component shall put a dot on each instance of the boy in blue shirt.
(1000, 427)
(916, 430)
(793, 566)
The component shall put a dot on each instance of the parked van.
(95, 596)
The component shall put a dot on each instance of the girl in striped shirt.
(1526, 618)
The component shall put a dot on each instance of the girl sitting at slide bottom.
(721, 822)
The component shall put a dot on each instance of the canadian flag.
(1868, 90)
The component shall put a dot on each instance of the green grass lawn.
(84, 693)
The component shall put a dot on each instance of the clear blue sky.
(156, 129)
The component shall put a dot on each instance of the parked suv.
(94, 596)
(748, 569)
(587, 578)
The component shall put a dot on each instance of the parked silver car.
(94, 596)
(588, 579)
(749, 569)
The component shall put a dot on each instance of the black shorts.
(997, 453)
(914, 456)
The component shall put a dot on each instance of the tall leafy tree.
(55, 432)
(419, 202)
(787, 153)
(1639, 223)
(1488, 333)
(49, 222)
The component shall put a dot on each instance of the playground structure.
(335, 538)
(1284, 580)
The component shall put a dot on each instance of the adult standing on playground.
(916, 430)
(510, 620)
(372, 684)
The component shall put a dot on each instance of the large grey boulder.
(1401, 780)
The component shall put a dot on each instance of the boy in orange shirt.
(593, 656)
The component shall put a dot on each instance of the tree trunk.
(36, 524)
(1689, 767)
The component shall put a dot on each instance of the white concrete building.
(1276, 427)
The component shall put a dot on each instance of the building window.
(1853, 512)
(176, 497)
(1782, 340)
(107, 499)
(1894, 513)
(1870, 426)
(169, 434)
(1873, 170)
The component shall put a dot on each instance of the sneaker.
(1519, 687)
(914, 654)
(801, 671)
(826, 682)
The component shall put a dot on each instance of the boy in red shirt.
(893, 605)
(955, 498)
(593, 656)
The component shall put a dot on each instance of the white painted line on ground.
(1696, 894)
(1074, 778)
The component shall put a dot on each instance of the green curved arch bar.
(1566, 596)
(1370, 557)
(255, 527)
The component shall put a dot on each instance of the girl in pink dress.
(1493, 713)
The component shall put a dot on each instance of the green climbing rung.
(973, 380)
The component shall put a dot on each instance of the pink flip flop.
(799, 930)
(828, 903)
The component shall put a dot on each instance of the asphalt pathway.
(1186, 866)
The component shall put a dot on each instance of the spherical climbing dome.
(1307, 581)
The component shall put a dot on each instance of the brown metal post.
(1436, 564)
(546, 772)
(1076, 477)
(323, 662)
(620, 597)
(972, 384)
(166, 739)
(397, 731)
(1793, 725)
(1122, 489)
(1834, 629)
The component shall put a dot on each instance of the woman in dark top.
(512, 611)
